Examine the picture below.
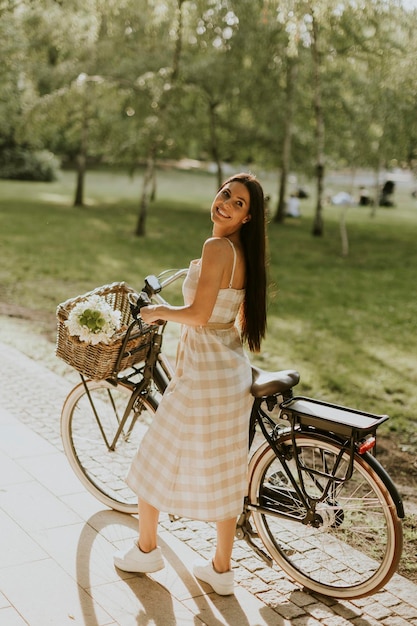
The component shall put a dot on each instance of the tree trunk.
(147, 189)
(153, 186)
(286, 149)
(318, 112)
(343, 231)
(178, 43)
(215, 153)
(344, 237)
(282, 191)
(377, 191)
(79, 190)
(149, 177)
(318, 218)
(82, 160)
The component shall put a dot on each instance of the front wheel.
(351, 546)
(98, 448)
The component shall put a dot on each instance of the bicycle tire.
(100, 469)
(357, 546)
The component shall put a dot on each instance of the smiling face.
(230, 208)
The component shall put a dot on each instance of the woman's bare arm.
(215, 259)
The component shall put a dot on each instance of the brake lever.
(136, 304)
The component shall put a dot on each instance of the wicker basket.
(100, 361)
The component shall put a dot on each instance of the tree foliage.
(291, 85)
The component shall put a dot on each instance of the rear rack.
(340, 420)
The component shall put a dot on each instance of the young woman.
(193, 460)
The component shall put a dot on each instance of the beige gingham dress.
(193, 460)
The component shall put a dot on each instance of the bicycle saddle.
(270, 383)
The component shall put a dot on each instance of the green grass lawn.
(347, 324)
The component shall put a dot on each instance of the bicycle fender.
(387, 480)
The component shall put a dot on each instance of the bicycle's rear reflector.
(366, 445)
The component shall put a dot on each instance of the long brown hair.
(252, 318)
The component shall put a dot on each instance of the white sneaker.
(223, 584)
(134, 560)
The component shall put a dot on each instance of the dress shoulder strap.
(234, 263)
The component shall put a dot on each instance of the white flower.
(93, 320)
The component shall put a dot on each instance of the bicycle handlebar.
(152, 287)
(171, 279)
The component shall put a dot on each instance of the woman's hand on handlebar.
(141, 305)
(149, 314)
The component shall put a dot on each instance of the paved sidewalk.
(57, 542)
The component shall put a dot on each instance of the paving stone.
(281, 605)
(301, 598)
(406, 611)
(242, 574)
(336, 620)
(284, 586)
(387, 599)
(289, 610)
(269, 575)
(254, 584)
(396, 621)
(377, 611)
(198, 543)
(323, 599)
(305, 620)
(347, 610)
(366, 621)
(319, 610)
(252, 564)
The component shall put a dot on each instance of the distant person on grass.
(193, 459)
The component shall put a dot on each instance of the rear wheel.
(90, 420)
(350, 547)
